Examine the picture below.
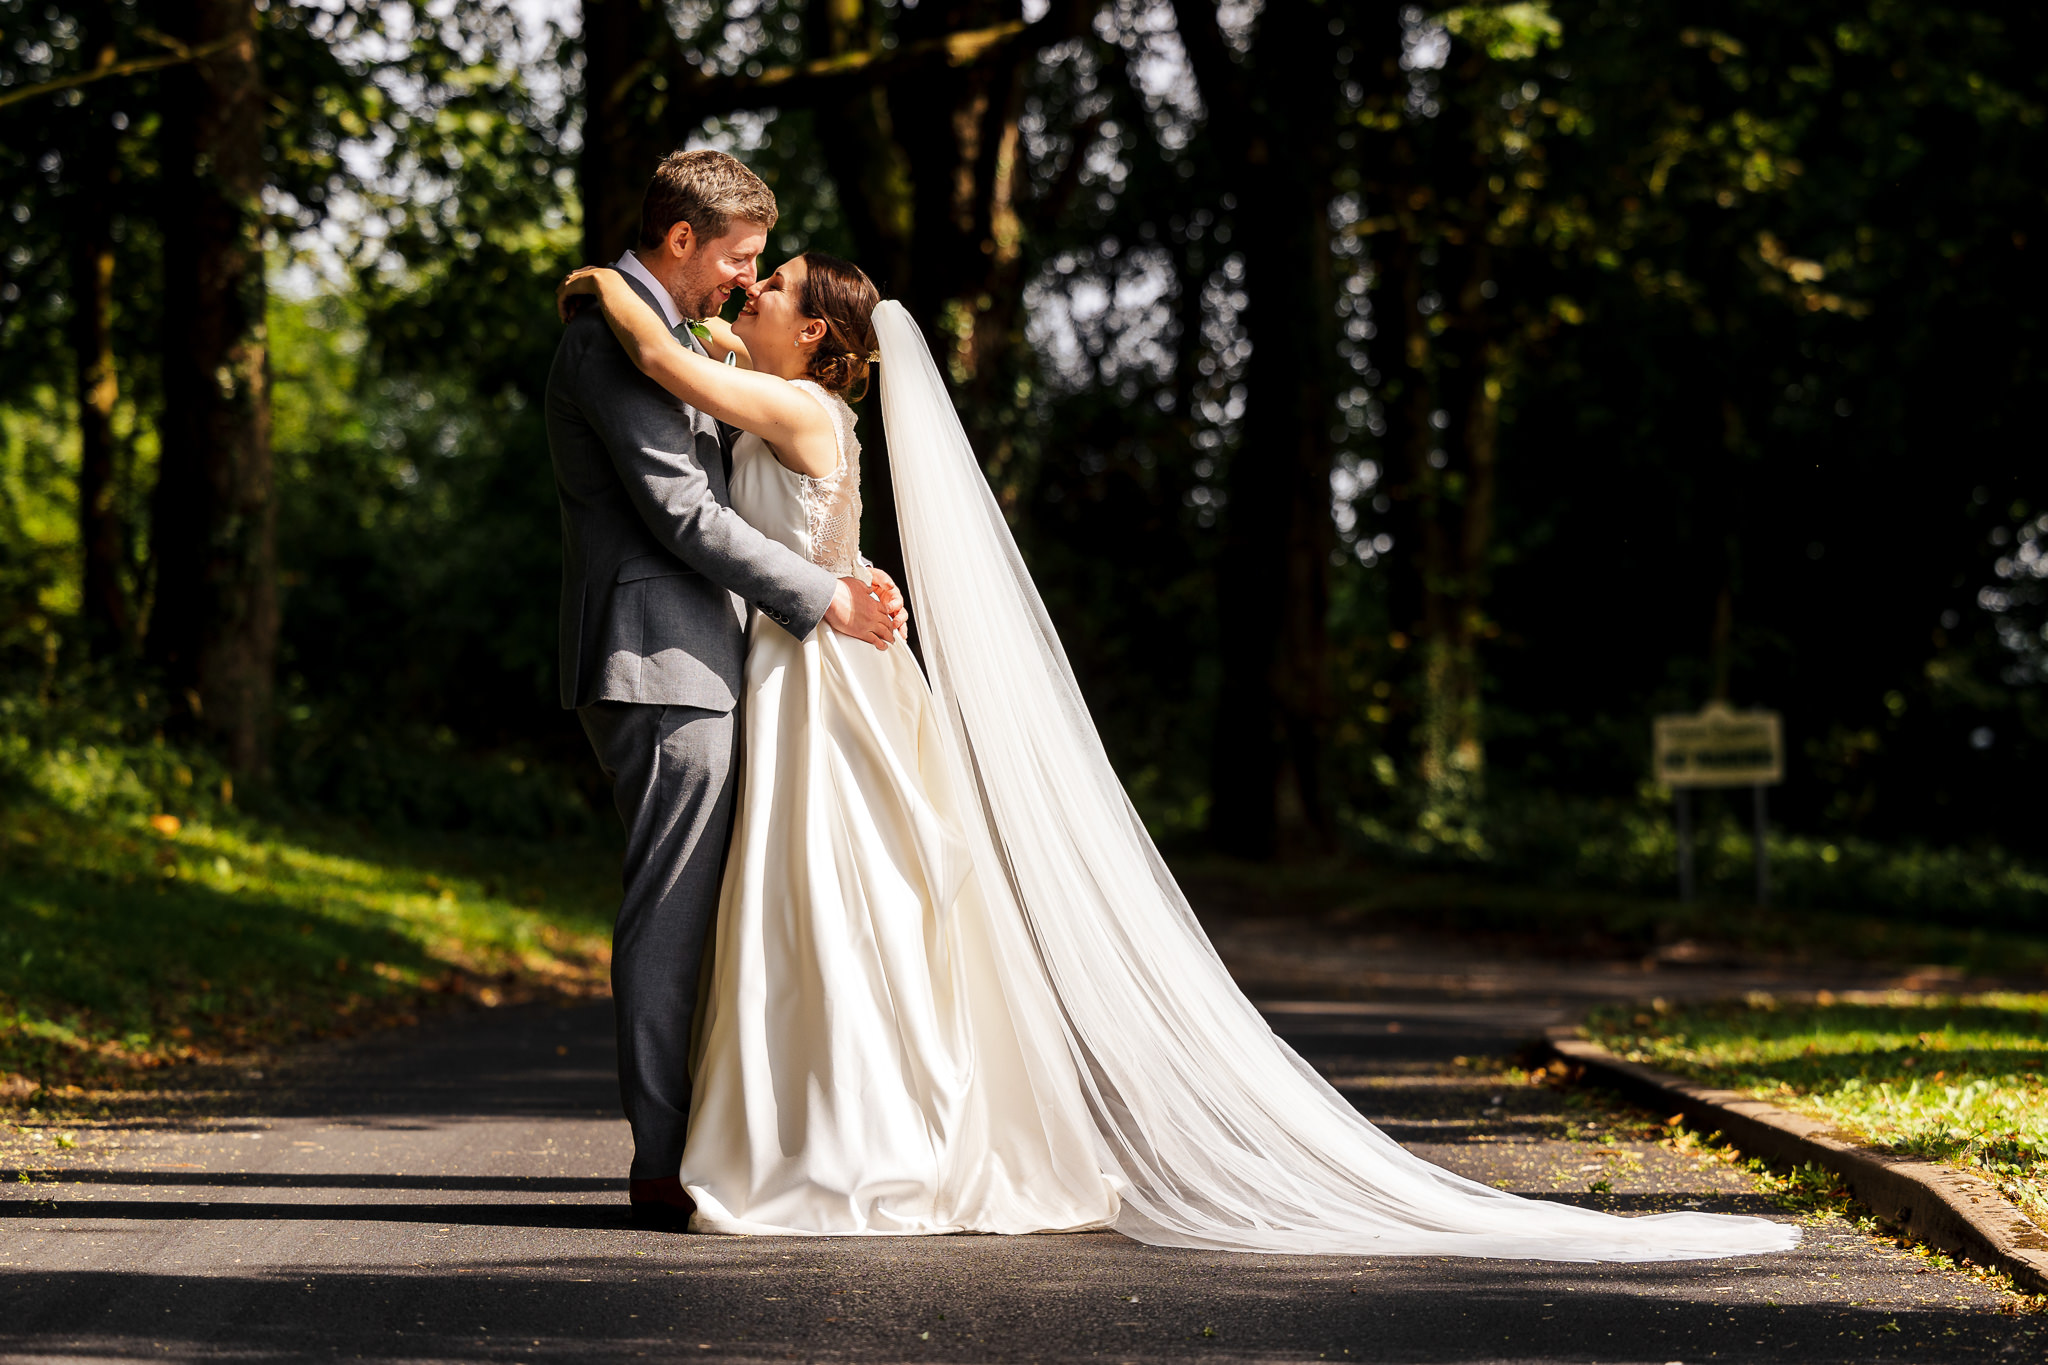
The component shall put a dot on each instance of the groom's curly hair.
(839, 295)
(705, 189)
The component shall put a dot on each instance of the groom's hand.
(858, 614)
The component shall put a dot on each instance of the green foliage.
(151, 915)
(1788, 252)
(148, 915)
(1955, 1079)
(95, 750)
(418, 546)
(1631, 847)
(417, 531)
(1760, 295)
(91, 749)
(1507, 33)
(38, 523)
(430, 780)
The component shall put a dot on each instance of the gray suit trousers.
(674, 772)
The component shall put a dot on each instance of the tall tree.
(1450, 178)
(1271, 118)
(933, 180)
(626, 97)
(213, 627)
(104, 602)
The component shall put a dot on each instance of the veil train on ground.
(1221, 1136)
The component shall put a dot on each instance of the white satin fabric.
(956, 988)
(864, 1066)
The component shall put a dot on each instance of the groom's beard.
(700, 300)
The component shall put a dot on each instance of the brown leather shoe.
(661, 1205)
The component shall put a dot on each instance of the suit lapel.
(646, 295)
(700, 422)
(720, 432)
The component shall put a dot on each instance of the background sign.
(1720, 747)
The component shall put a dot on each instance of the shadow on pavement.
(1043, 1298)
(267, 1180)
(477, 1215)
(473, 1277)
(520, 1062)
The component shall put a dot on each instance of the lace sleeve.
(832, 502)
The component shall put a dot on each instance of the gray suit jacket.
(651, 550)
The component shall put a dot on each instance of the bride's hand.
(891, 598)
(579, 284)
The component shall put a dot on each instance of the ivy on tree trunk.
(213, 626)
(103, 604)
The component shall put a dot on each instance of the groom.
(653, 649)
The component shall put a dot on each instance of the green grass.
(150, 918)
(128, 946)
(1947, 1078)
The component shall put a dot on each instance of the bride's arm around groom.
(642, 480)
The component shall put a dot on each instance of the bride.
(953, 987)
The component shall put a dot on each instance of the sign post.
(1720, 747)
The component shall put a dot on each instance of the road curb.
(1953, 1210)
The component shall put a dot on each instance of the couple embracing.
(895, 953)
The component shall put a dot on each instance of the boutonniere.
(698, 330)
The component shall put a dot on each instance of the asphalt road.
(452, 1194)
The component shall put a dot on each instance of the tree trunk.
(623, 120)
(950, 125)
(857, 137)
(1456, 506)
(104, 603)
(1272, 120)
(213, 628)
(1274, 572)
(955, 131)
(1399, 353)
(858, 140)
(1441, 371)
(928, 168)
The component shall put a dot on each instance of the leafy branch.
(109, 68)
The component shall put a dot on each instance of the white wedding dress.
(954, 987)
(861, 1066)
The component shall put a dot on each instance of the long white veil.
(1221, 1136)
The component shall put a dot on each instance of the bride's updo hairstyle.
(837, 294)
